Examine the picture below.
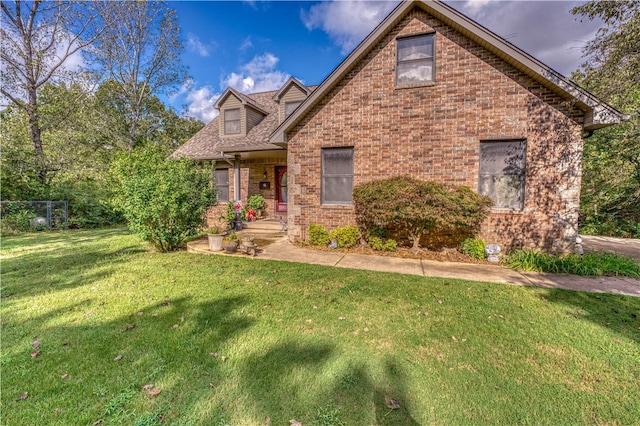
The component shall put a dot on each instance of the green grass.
(449, 352)
(591, 264)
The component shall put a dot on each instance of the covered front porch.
(239, 175)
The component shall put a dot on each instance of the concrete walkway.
(281, 249)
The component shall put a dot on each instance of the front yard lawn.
(96, 329)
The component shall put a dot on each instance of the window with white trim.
(337, 176)
(502, 173)
(415, 60)
(221, 182)
(232, 121)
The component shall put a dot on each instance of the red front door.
(281, 189)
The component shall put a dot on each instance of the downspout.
(236, 177)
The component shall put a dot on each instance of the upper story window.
(415, 60)
(232, 121)
(289, 107)
(502, 167)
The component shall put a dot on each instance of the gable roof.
(244, 99)
(292, 81)
(598, 113)
(207, 144)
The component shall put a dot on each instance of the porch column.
(236, 178)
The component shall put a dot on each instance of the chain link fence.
(33, 215)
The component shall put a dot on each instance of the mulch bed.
(445, 255)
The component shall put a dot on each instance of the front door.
(281, 189)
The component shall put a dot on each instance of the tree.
(37, 40)
(611, 171)
(418, 207)
(164, 200)
(141, 56)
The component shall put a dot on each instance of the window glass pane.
(338, 161)
(502, 171)
(232, 114)
(337, 190)
(415, 72)
(502, 157)
(505, 191)
(222, 177)
(337, 176)
(223, 193)
(232, 127)
(289, 107)
(415, 48)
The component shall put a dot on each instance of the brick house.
(430, 94)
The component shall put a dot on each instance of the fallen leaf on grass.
(440, 302)
(129, 327)
(154, 315)
(65, 376)
(148, 387)
(391, 403)
(454, 338)
(175, 326)
(154, 392)
(36, 343)
(118, 358)
(97, 422)
(214, 354)
(140, 314)
(89, 314)
(165, 303)
(294, 422)
(341, 318)
(223, 358)
(35, 354)
(23, 396)
(182, 319)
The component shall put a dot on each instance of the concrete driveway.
(626, 246)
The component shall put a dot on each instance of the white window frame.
(516, 169)
(429, 60)
(326, 176)
(229, 121)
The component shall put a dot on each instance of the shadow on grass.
(273, 381)
(619, 314)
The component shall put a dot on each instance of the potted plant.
(215, 237)
(230, 242)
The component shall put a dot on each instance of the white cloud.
(195, 45)
(346, 22)
(246, 43)
(200, 103)
(258, 75)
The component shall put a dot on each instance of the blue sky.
(255, 46)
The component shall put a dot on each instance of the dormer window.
(289, 107)
(415, 60)
(232, 121)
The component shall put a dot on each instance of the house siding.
(231, 103)
(253, 118)
(433, 132)
(293, 93)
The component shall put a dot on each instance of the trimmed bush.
(318, 235)
(377, 239)
(163, 200)
(417, 207)
(473, 247)
(346, 237)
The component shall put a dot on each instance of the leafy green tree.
(141, 56)
(164, 200)
(37, 40)
(611, 172)
(418, 207)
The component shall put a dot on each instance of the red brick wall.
(433, 133)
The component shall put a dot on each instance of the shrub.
(473, 247)
(417, 207)
(390, 245)
(346, 237)
(377, 239)
(318, 235)
(591, 264)
(163, 200)
(255, 202)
